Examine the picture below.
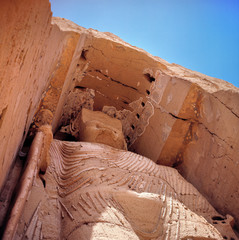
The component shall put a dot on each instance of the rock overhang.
(167, 111)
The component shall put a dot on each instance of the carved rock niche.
(109, 141)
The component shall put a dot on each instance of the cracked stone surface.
(94, 191)
(170, 114)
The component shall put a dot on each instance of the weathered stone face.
(170, 114)
(92, 190)
(95, 126)
(31, 51)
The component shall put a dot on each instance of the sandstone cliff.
(172, 115)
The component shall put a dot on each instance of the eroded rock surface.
(93, 191)
(97, 127)
(33, 54)
(172, 115)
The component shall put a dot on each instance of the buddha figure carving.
(96, 189)
(102, 140)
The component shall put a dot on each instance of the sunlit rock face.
(31, 51)
(93, 191)
(98, 127)
(170, 114)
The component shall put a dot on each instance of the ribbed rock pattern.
(172, 115)
(102, 192)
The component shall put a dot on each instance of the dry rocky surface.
(51, 69)
(93, 191)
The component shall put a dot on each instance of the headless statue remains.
(94, 191)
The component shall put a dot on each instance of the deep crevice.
(125, 85)
(225, 106)
(116, 81)
(183, 119)
(41, 175)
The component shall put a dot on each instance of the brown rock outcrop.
(97, 127)
(31, 50)
(172, 115)
(94, 191)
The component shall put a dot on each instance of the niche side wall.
(29, 51)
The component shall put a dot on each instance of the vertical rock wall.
(29, 51)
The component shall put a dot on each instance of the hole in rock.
(63, 135)
(132, 126)
(217, 218)
(143, 104)
(128, 138)
(125, 102)
(224, 237)
(41, 173)
(83, 54)
(149, 77)
(148, 92)
(80, 87)
(176, 164)
(137, 115)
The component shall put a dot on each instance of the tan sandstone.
(172, 115)
(30, 53)
(93, 191)
(95, 126)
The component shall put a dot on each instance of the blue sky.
(202, 35)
